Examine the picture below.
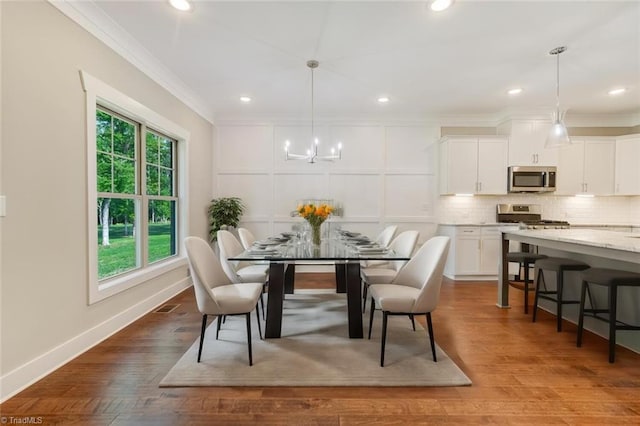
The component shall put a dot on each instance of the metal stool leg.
(583, 294)
(613, 307)
(559, 286)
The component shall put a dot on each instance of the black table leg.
(289, 278)
(354, 299)
(273, 327)
(341, 278)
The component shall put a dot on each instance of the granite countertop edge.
(626, 241)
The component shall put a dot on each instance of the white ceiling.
(460, 61)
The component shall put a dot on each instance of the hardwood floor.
(522, 373)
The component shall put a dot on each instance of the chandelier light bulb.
(182, 5)
(440, 5)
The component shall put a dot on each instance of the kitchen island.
(597, 248)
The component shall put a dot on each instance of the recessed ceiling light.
(245, 99)
(515, 91)
(180, 4)
(618, 91)
(383, 99)
(440, 5)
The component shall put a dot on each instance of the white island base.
(597, 248)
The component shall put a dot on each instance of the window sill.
(119, 284)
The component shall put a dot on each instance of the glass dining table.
(345, 251)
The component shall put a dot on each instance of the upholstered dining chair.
(383, 239)
(216, 294)
(239, 271)
(246, 238)
(403, 245)
(414, 291)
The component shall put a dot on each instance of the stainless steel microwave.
(532, 179)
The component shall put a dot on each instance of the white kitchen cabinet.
(473, 165)
(490, 250)
(627, 163)
(587, 166)
(526, 143)
(474, 252)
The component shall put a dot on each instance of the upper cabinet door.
(462, 166)
(492, 165)
(627, 166)
(473, 165)
(570, 175)
(526, 144)
(599, 167)
(586, 167)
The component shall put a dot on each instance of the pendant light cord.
(313, 133)
(558, 85)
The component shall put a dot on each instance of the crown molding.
(96, 22)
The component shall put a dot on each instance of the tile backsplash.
(575, 210)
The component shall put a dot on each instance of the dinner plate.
(264, 243)
(371, 250)
(262, 251)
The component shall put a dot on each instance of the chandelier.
(311, 156)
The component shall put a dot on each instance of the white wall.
(44, 315)
(386, 174)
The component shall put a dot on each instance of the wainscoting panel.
(408, 195)
(255, 189)
(409, 149)
(246, 148)
(363, 202)
(291, 187)
(386, 175)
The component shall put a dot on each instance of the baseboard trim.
(30, 372)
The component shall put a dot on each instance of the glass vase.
(316, 234)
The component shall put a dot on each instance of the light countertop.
(615, 240)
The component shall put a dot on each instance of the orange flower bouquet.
(315, 215)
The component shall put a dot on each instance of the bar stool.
(524, 260)
(560, 266)
(612, 279)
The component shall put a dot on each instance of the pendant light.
(558, 135)
(311, 156)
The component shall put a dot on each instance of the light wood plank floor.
(522, 373)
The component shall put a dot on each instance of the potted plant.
(224, 212)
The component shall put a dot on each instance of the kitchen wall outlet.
(3, 206)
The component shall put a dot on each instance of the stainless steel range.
(528, 216)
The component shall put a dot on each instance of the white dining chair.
(216, 294)
(383, 239)
(239, 271)
(246, 238)
(414, 291)
(403, 245)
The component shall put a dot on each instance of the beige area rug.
(315, 351)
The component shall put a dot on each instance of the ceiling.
(458, 62)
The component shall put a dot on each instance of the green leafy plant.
(224, 212)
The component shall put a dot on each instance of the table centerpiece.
(315, 214)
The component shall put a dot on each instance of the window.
(121, 158)
(136, 191)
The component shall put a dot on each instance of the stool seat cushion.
(610, 277)
(561, 264)
(523, 256)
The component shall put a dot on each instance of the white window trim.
(99, 92)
